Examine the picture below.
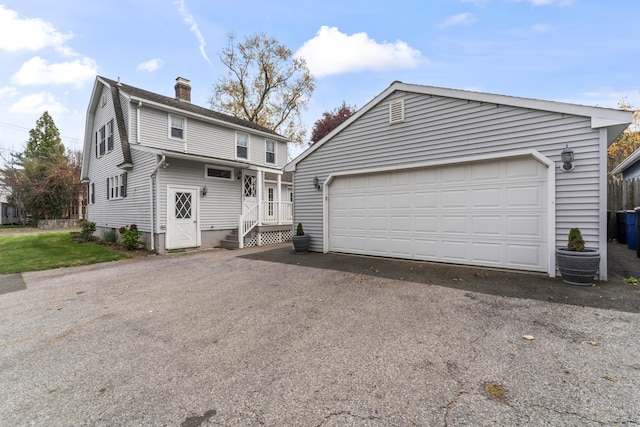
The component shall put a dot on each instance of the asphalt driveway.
(226, 338)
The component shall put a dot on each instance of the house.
(187, 176)
(9, 214)
(629, 167)
(454, 176)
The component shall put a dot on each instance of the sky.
(577, 51)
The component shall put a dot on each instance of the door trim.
(196, 211)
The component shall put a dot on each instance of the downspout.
(151, 196)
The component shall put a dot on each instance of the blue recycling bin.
(630, 223)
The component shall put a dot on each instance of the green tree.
(264, 85)
(41, 179)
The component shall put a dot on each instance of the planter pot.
(578, 268)
(301, 243)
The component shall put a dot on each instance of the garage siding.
(445, 129)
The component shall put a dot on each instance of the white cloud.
(18, 34)
(332, 52)
(193, 27)
(460, 19)
(37, 104)
(561, 3)
(478, 3)
(8, 91)
(37, 71)
(541, 28)
(151, 65)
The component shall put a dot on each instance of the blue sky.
(579, 51)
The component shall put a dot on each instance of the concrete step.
(230, 244)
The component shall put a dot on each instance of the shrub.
(110, 236)
(299, 230)
(130, 236)
(87, 229)
(576, 242)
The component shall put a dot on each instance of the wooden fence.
(623, 195)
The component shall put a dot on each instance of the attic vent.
(396, 111)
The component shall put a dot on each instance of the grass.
(44, 251)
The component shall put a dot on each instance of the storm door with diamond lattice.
(182, 224)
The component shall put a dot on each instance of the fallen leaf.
(528, 337)
(608, 378)
(594, 343)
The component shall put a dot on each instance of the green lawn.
(43, 251)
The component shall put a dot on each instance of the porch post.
(259, 184)
(279, 199)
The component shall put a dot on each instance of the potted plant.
(578, 265)
(300, 240)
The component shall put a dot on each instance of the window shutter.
(124, 184)
(97, 155)
(93, 193)
(108, 189)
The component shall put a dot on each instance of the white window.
(218, 172)
(110, 135)
(177, 127)
(103, 102)
(242, 145)
(117, 186)
(101, 141)
(271, 151)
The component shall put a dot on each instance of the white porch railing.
(270, 212)
(268, 215)
(247, 222)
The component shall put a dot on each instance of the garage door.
(490, 213)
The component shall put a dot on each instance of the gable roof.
(616, 121)
(161, 100)
(158, 101)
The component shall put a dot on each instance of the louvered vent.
(396, 112)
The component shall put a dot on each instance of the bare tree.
(264, 85)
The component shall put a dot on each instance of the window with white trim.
(270, 147)
(102, 141)
(177, 127)
(117, 186)
(242, 145)
(109, 133)
(218, 172)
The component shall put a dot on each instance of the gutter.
(151, 196)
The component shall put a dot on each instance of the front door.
(249, 190)
(182, 218)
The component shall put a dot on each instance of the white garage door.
(486, 213)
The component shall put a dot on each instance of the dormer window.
(242, 145)
(177, 127)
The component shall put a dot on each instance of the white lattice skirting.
(266, 238)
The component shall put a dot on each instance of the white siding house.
(187, 176)
(460, 177)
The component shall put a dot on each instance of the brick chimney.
(183, 89)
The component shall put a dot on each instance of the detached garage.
(460, 177)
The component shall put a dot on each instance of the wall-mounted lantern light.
(316, 183)
(567, 159)
(204, 191)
